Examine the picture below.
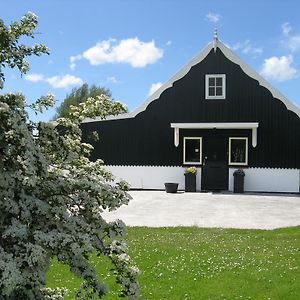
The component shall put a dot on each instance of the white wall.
(268, 180)
(256, 179)
(152, 177)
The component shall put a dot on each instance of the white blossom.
(52, 195)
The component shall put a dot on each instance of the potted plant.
(171, 187)
(238, 184)
(190, 179)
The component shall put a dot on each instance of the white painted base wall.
(268, 180)
(256, 179)
(152, 177)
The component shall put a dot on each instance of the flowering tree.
(79, 95)
(51, 194)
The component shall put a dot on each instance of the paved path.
(159, 209)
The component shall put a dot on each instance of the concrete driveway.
(159, 209)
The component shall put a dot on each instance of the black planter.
(190, 182)
(171, 187)
(238, 184)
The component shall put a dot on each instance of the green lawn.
(195, 263)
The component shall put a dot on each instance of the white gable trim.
(197, 59)
(250, 72)
(181, 73)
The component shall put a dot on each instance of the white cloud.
(56, 82)
(213, 18)
(154, 87)
(112, 79)
(64, 81)
(132, 51)
(286, 28)
(73, 59)
(279, 68)
(247, 48)
(257, 50)
(168, 43)
(34, 77)
(294, 43)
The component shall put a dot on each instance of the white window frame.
(192, 138)
(246, 153)
(207, 76)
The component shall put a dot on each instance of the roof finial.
(215, 39)
(216, 34)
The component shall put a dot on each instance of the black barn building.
(216, 114)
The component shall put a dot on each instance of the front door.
(215, 164)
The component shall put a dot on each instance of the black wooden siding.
(148, 139)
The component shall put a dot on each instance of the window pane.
(218, 91)
(211, 81)
(192, 150)
(219, 81)
(215, 86)
(238, 151)
(211, 91)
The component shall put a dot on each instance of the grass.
(195, 263)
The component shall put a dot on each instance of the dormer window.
(215, 86)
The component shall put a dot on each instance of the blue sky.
(133, 46)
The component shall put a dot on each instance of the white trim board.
(197, 59)
(200, 150)
(245, 163)
(226, 125)
(207, 77)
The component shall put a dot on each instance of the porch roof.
(228, 125)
